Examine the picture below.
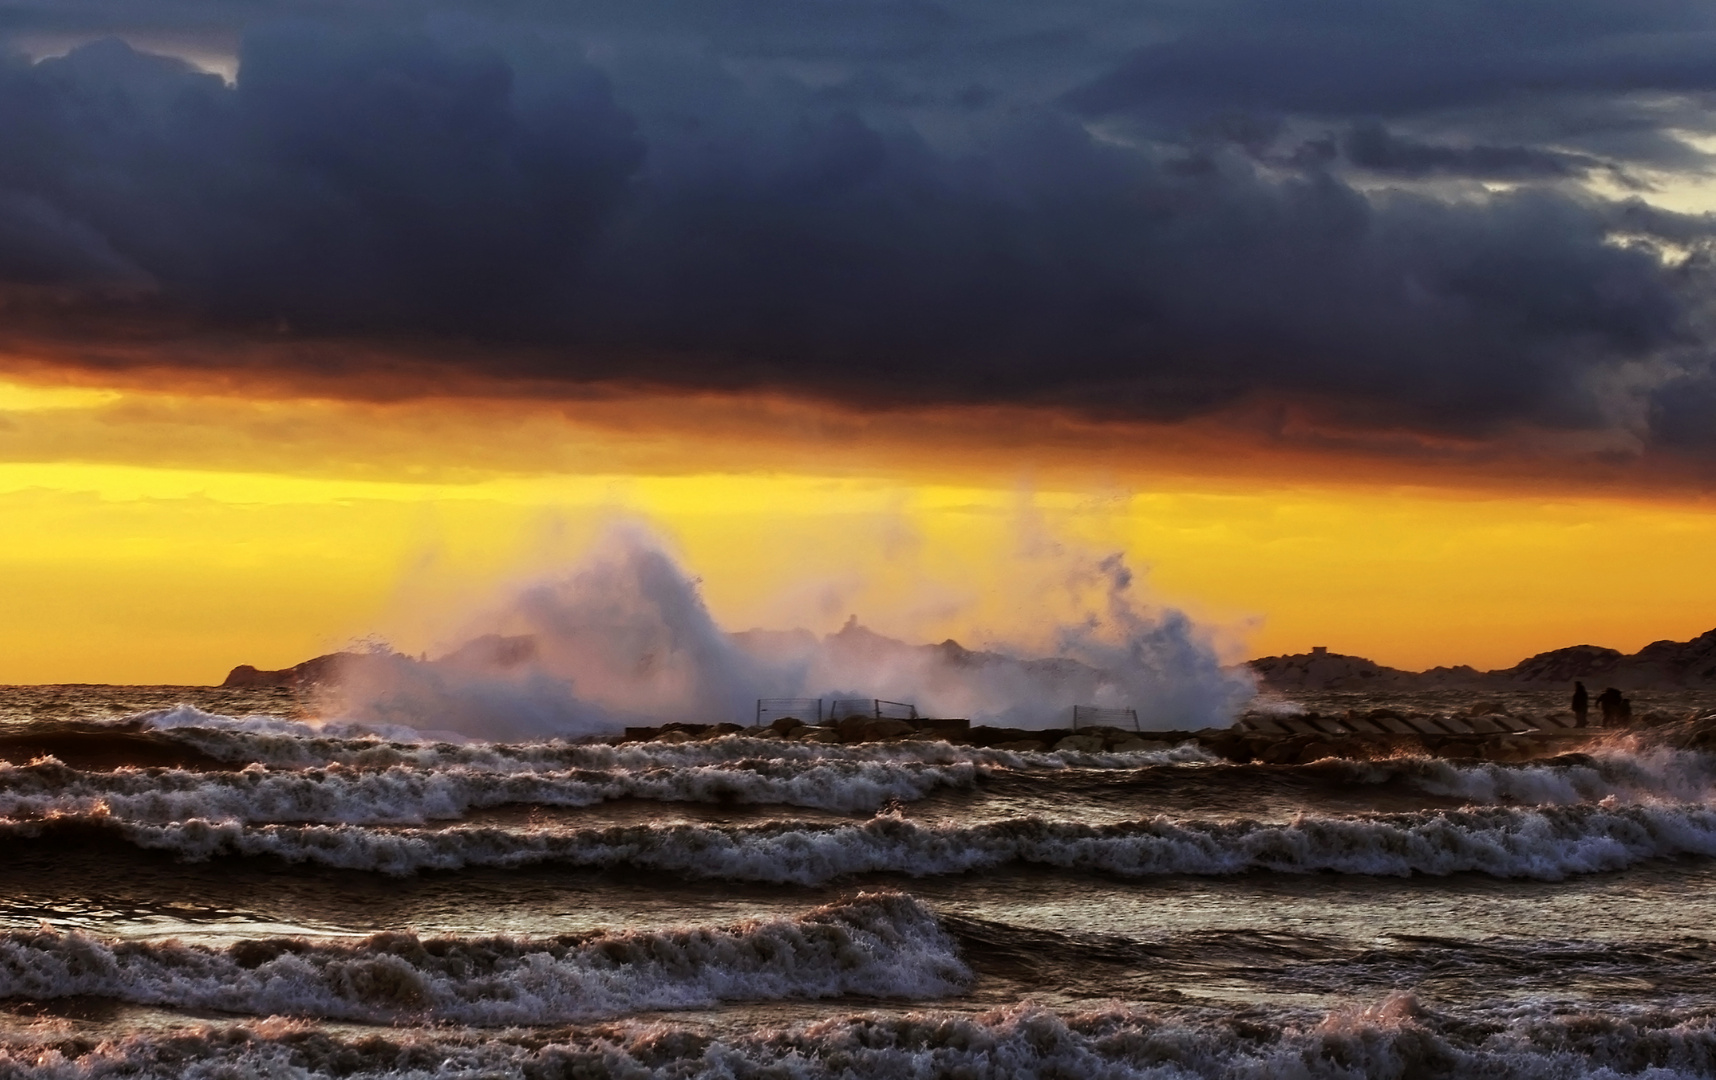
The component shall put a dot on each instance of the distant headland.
(1660, 665)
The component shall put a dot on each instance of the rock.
(1317, 750)
(673, 737)
(321, 671)
(856, 729)
(1090, 744)
(815, 735)
(1128, 745)
(1022, 745)
(1659, 665)
(1282, 752)
(786, 725)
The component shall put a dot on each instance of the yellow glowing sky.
(166, 536)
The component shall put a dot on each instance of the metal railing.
(1092, 716)
(808, 709)
(841, 708)
(816, 710)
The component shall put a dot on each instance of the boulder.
(1090, 744)
(815, 735)
(856, 729)
(673, 737)
(1133, 742)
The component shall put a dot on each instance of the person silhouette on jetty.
(1581, 704)
(1616, 709)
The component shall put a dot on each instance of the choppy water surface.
(190, 894)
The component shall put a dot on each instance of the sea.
(211, 883)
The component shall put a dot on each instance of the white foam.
(1394, 1037)
(1612, 773)
(884, 945)
(184, 717)
(1546, 843)
(288, 743)
(400, 795)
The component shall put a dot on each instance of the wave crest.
(882, 945)
(1545, 843)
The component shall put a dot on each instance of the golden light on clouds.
(165, 537)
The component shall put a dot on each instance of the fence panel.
(1092, 716)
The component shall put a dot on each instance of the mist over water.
(626, 637)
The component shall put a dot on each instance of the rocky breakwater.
(867, 729)
(1487, 732)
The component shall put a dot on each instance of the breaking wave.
(881, 945)
(1545, 843)
(1393, 1037)
(1628, 774)
(293, 744)
(400, 795)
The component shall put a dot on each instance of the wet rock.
(1090, 744)
(857, 729)
(1127, 745)
(1317, 750)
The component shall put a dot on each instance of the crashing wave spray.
(627, 637)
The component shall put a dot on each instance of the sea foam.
(1545, 843)
(883, 945)
(399, 795)
(1392, 1037)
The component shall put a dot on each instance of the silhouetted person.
(1581, 704)
(1614, 706)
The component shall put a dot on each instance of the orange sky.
(164, 536)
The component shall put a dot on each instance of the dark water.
(186, 894)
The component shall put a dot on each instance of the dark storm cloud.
(1372, 146)
(1143, 210)
(343, 180)
(1391, 58)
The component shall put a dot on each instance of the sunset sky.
(1385, 326)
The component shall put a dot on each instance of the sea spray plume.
(1116, 650)
(631, 630)
(529, 703)
(1153, 659)
(623, 636)
(627, 636)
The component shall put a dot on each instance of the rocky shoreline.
(1291, 740)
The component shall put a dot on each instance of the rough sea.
(197, 883)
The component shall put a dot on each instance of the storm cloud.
(1433, 216)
